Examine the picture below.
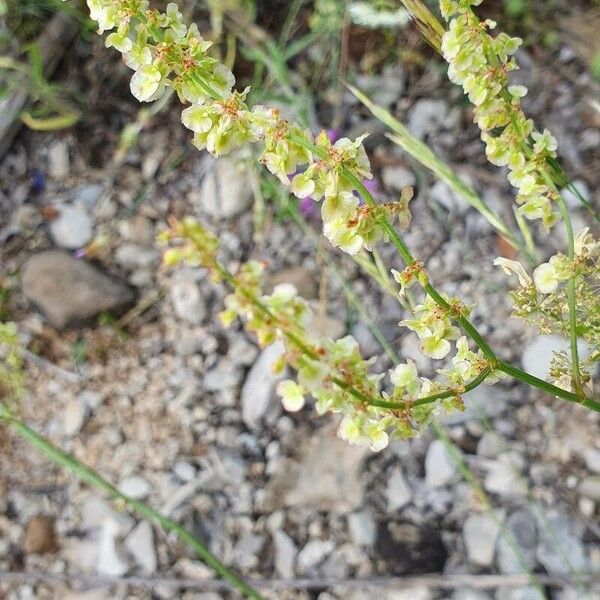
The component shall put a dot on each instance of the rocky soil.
(129, 369)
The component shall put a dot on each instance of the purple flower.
(372, 185)
(38, 181)
(307, 207)
(334, 135)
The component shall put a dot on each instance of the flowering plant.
(165, 53)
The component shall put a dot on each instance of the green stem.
(85, 473)
(572, 299)
(517, 373)
(439, 396)
(571, 288)
(467, 326)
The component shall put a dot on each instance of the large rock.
(226, 191)
(70, 291)
(327, 476)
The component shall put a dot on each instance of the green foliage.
(516, 8)
(51, 105)
(25, 18)
(12, 375)
(595, 66)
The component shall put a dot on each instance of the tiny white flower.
(303, 186)
(379, 440)
(196, 118)
(338, 206)
(145, 82)
(291, 395)
(404, 375)
(435, 347)
(546, 278)
(120, 41)
(284, 292)
(517, 91)
(349, 430)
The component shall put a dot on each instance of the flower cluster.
(433, 325)
(164, 52)
(542, 300)
(333, 372)
(481, 64)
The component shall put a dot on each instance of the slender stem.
(439, 396)
(590, 403)
(571, 290)
(87, 474)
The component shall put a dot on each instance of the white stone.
(592, 459)
(480, 533)
(285, 554)
(133, 256)
(72, 229)
(135, 487)
(426, 116)
(140, 544)
(73, 417)
(490, 445)
(59, 164)
(258, 390)
(440, 468)
(184, 471)
(538, 355)
(590, 488)
(187, 300)
(224, 376)
(226, 191)
(362, 528)
(504, 477)
(110, 561)
(313, 554)
(398, 492)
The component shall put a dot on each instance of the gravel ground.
(180, 413)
